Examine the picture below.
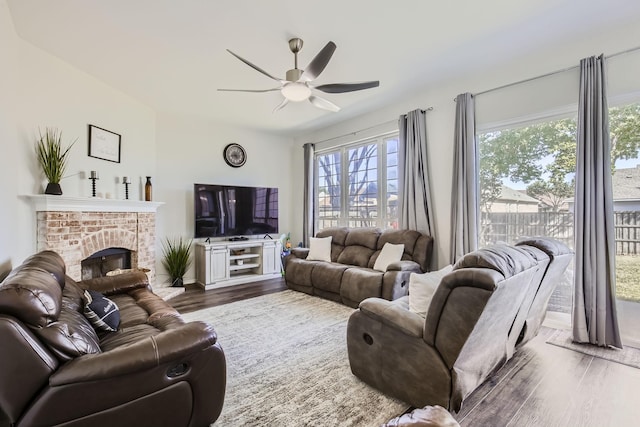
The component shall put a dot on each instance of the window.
(527, 188)
(357, 184)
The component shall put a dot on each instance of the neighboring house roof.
(626, 183)
(509, 195)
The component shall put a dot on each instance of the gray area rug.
(628, 356)
(287, 364)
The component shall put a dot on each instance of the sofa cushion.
(32, 295)
(356, 255)
(367, 237)
(320, 249)
(70, 336)
(338, 238)
(328, 277)
(102, 313)
(359, 284)
(389, 254)
(505, 259)
(422, 287)
(72, 296)
(49, 261)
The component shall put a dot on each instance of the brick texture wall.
(77, 235)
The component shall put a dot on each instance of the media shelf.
(227, 263)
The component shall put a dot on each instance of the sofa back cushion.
(338, 239)
(417, 246)
(360, 245)
(34, 296)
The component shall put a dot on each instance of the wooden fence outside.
(509, 227)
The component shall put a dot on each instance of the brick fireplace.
(77, 228)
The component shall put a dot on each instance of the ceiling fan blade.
(249, 90)
(281, 105)
(255, 67)
(318, 64)
(347, 87)
(324, 104)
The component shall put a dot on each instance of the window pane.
(526, 189)
(391, 196)
(363, 185)
(328, 191)
(624, 125)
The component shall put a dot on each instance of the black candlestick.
(93, 185)
(93, 176)
(126, 181)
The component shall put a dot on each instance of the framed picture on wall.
(104, 144)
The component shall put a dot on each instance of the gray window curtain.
(308, 223)
(464, 194)
(416, 211)
(594, 307)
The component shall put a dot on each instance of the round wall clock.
(234, 155)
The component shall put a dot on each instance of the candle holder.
(126, 181)
(93, 176)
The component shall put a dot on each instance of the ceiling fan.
(297, 86)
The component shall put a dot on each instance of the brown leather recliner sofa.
(493, 301)
(350, 278)
(55, 370)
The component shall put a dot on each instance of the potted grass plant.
(52, 158)
(176, 259)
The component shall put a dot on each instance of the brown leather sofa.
(350, 278)
(478, 315)
(55, 370)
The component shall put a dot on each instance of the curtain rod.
(633, 49)
(354, 133)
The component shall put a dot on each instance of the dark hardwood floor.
(195, 298)
(541, 386)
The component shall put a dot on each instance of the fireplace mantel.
(48, 203)
(77, 227)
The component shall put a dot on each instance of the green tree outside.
(543, 155)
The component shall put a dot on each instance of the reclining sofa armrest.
(393, 315)
(145, 354)
(300, 252)
(118, 284)
(411, 266)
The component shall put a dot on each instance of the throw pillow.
(422, 287)
(102, 313)
(389, 254)
(320, 249)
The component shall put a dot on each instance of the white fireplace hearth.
(79, 227)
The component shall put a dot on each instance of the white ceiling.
(170, 54)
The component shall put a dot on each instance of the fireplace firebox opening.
(100, 263)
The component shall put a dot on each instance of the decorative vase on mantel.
(147, 190)
(52, 158)
(53, 188)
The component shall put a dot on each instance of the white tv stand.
(227, 263)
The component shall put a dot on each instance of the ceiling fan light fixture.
(296, 91)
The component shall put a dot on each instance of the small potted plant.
(176, 259)
(52, 158)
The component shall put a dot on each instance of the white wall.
(39, 90)
(189, 151)
(440, 121)
(9, 235)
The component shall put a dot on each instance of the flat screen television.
(232, 210)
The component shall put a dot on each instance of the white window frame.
(380, 140)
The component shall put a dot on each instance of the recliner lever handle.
(177, 370)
